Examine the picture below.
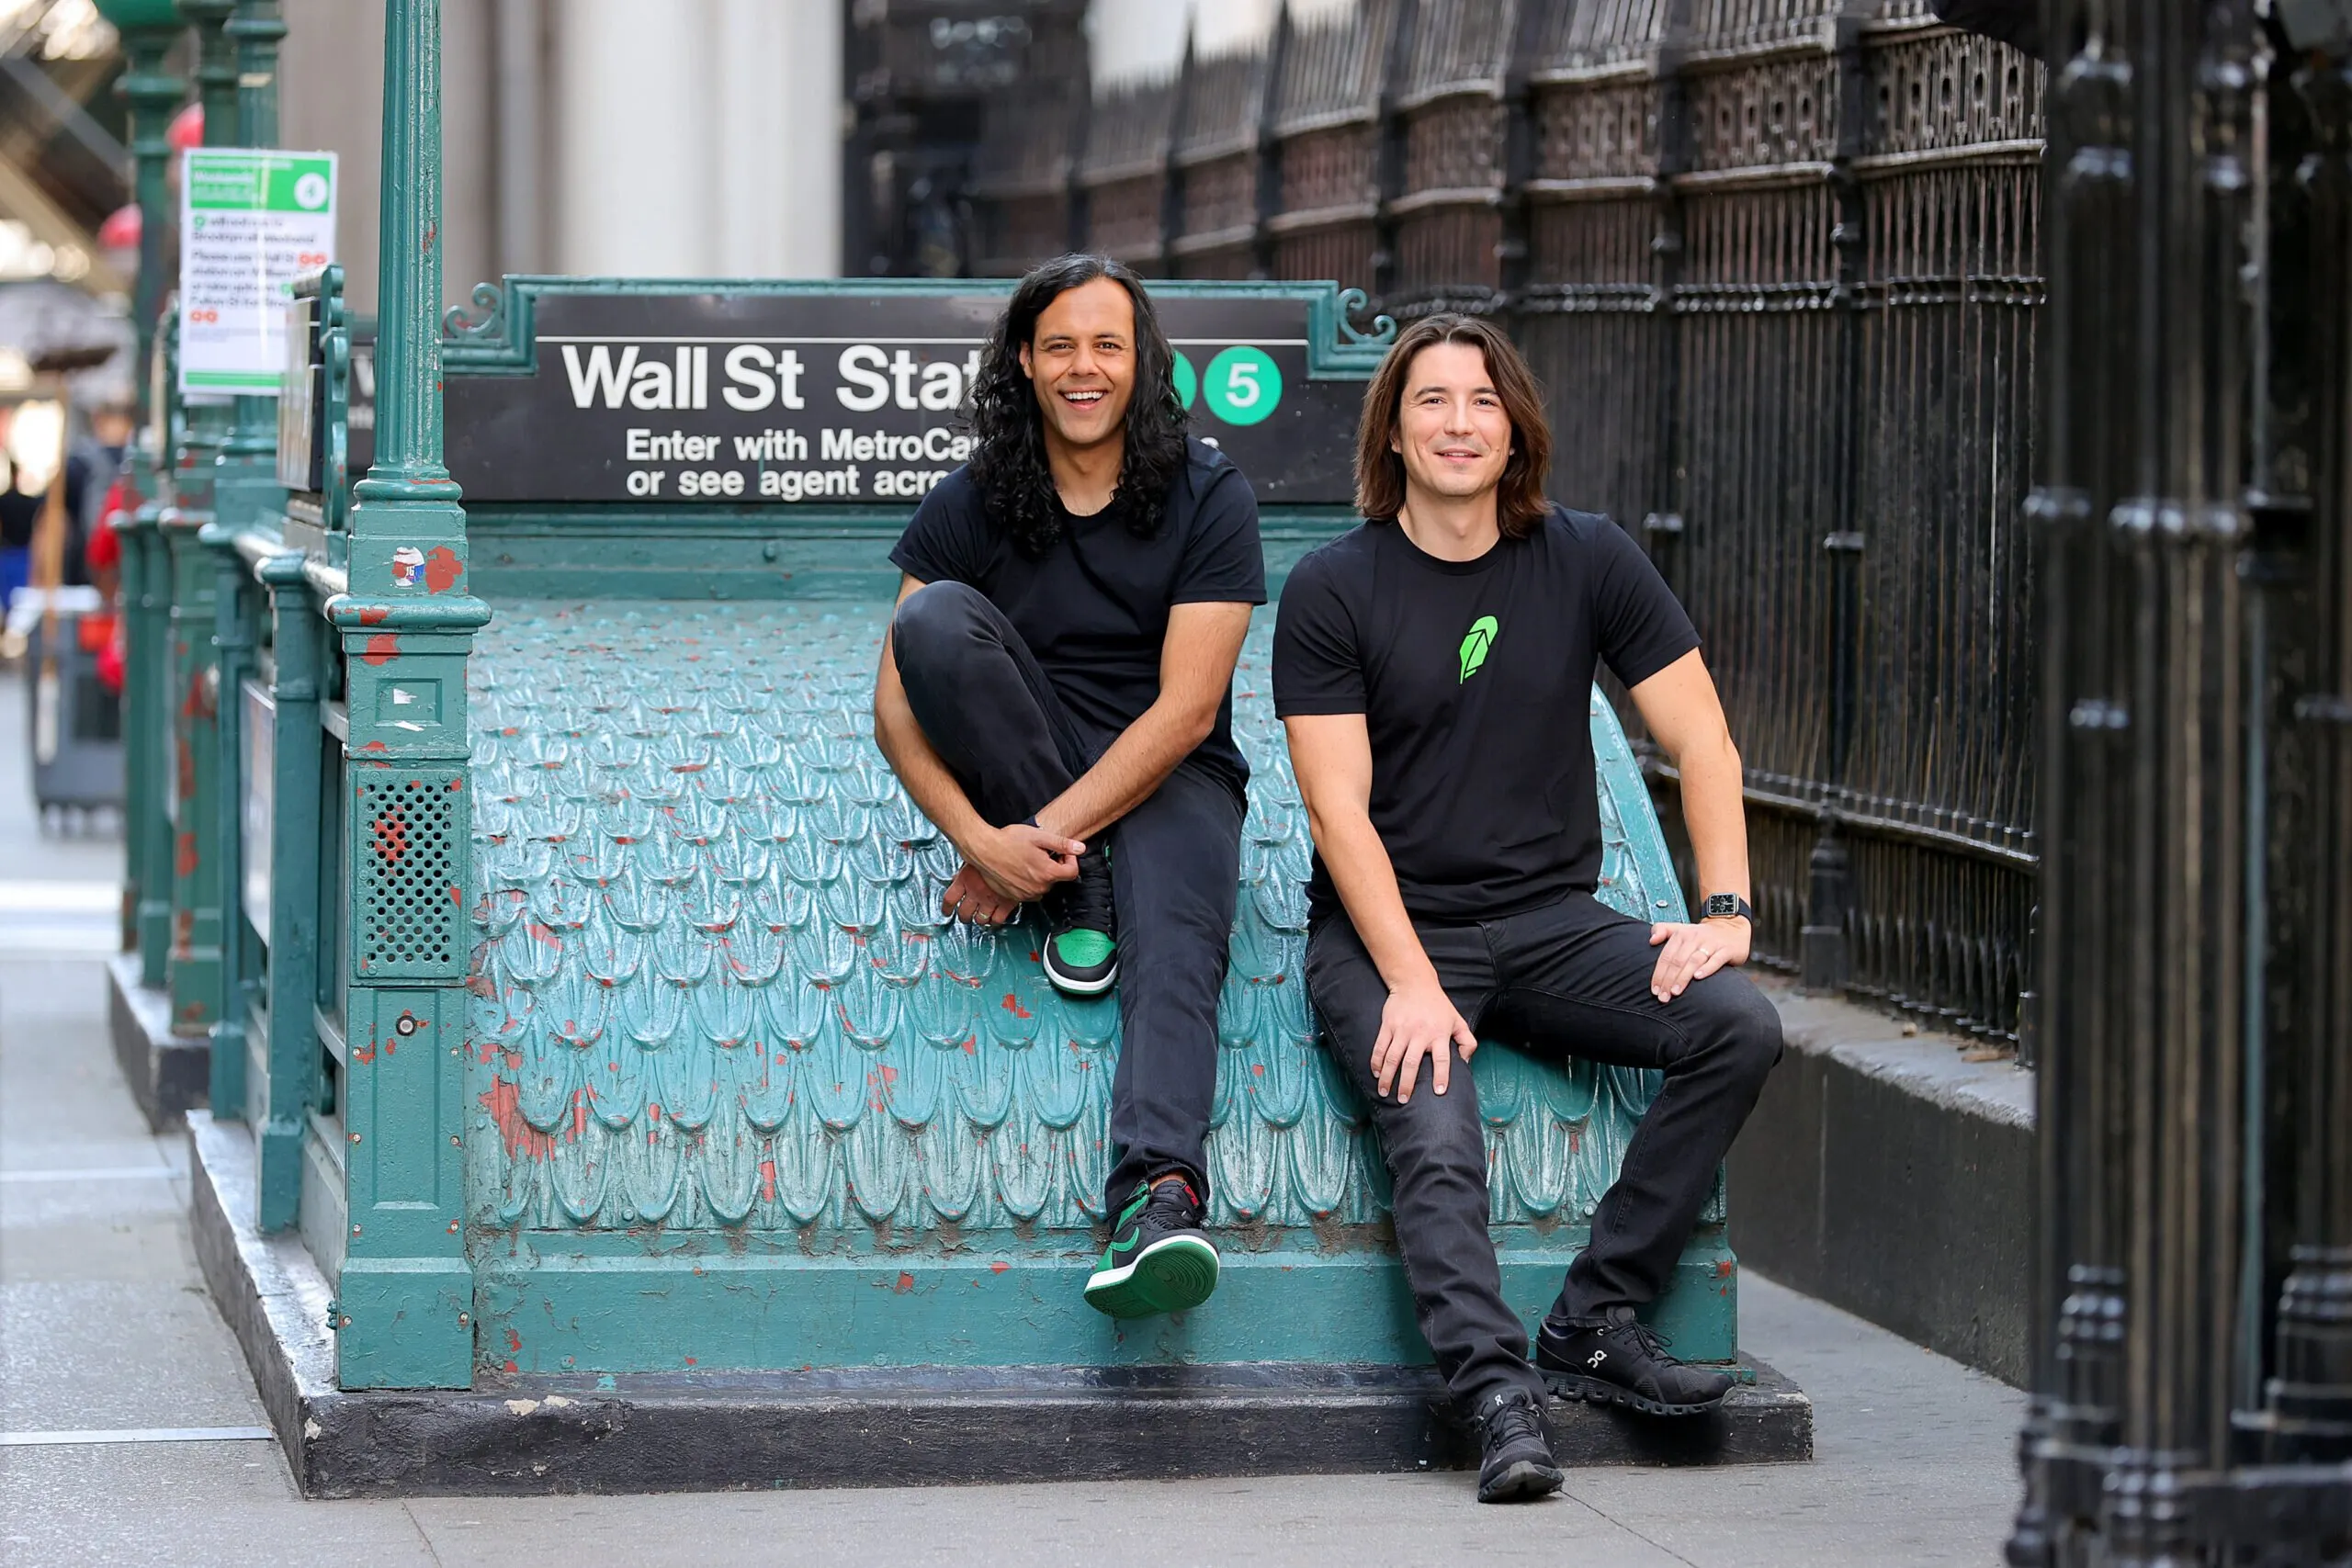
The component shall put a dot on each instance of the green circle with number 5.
(1243, 385)
(1188, 381)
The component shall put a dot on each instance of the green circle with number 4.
(1188, 381)
(1243, 385)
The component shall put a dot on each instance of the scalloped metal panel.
(713, 991)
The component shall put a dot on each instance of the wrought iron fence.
(1777, 264)
(2193, 1295)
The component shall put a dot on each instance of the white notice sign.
(252, 220)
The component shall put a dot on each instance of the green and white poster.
(252, 220)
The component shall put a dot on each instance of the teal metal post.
(151, 804)
(405, 1295)
(247, 489)
(290, 1080)
(246, 494)
(193, 972)
(152, 94)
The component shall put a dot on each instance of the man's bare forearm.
(1715, 810)
(1366, 881)
(934, 790)
(1123, 778)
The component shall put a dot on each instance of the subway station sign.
(847, 398)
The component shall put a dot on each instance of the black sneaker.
(1515, 1461)
(1623, 1361)
(1157, 1260)
(1082, 930)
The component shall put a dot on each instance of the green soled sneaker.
(1082, 930)
(1157, 1260)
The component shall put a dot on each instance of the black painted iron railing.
(1777, 264)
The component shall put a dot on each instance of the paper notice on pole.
(252, 220)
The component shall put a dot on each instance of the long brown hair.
(1520, 500)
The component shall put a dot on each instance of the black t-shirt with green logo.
(1475, 681)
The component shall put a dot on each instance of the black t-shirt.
(1094, 608)
(1475, 681)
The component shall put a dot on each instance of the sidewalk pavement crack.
(1601, 1513)
(415, 1524)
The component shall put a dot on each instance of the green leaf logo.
(1474, 646)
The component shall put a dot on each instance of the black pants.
(987, 708)
(1570, 979)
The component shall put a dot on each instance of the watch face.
(1721, 904)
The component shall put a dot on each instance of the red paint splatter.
(503, 1100)
(364, 1056)
(1258, 1069)
(999, 1267)
(391, 831)
(971, 1046)
(690, 1361)
(767, 1181)
(543, 933)
(374, 614)
(375, 746)
(1012, 1004)
(186, 770)
(905, 1282)
(458, 897)
(185, 860)
(382, 649)
(442, 569)
(889, 1075)
(579, 1116)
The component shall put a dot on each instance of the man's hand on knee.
(1020, 863)
(1693, 951)
(1418, 1020)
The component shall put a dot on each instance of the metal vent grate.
(406, 835)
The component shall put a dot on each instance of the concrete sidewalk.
(107, 1329)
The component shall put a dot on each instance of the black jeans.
(1570, 979)
(989, 712)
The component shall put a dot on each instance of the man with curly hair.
(1054, 695)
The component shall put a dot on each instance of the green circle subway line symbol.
(310, 192)
(1188, 381)
(1243, 385)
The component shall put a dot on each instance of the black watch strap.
(1724, 906)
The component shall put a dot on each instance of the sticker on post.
(408, 567)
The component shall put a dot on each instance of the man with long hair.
(1432, 667)
(1055, 694)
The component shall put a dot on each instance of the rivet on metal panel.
(355, 1137)
(354, 1229)
(463, 1318)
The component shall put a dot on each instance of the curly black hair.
(1009, 464)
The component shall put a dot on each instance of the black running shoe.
(1157, 1260)
(1623, 1361)
(1082, 930)
(1515, 1463)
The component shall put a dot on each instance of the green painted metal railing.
(580, 972)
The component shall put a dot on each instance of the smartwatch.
(1725, 906)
